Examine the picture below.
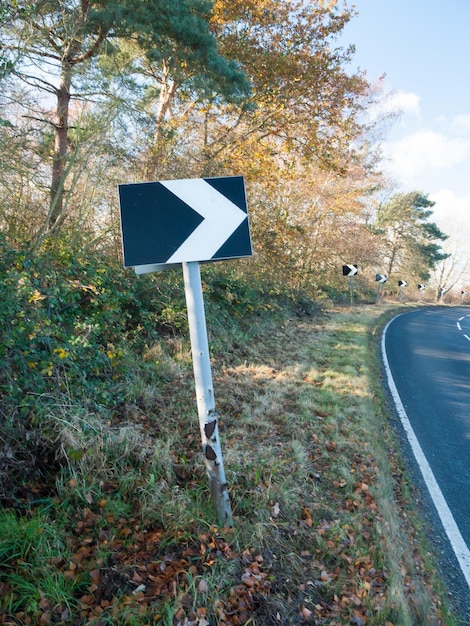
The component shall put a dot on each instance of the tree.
(299, 140)
(59, 40)
(411, 243)
(303, 99)
(454, 268)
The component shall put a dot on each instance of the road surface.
(426, 356)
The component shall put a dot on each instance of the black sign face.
(170, 222)
(349, 270)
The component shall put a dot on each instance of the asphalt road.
(427, 360)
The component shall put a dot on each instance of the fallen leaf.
(95, 576)
(45, 619)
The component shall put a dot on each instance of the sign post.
(180, 223)
(350, 270)
(208, 422)
(402, 284)
(381, 279)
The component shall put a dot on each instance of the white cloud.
(424, 152)
(457, 125)
(461, 124)
(403, 102)
(451, 212)
(395, 102)
(398, 102)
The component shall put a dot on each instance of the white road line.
(466, 336)
(458, 326)
(456, 540)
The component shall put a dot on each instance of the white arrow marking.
(221, 219)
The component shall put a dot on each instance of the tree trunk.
(61, 126)
(168, 89)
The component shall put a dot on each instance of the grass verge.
(325, 532)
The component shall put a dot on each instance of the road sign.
(177, 221)
(349, 270)
(421, 287)
(183, 222)
(380, 278)
(402, 283)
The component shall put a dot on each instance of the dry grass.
(306, 448)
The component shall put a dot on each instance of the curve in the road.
(453, 533)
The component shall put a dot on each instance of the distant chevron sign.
(349, 270)
(174, 221)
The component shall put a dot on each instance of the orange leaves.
(307, 520)
(238, 607)
(330, 446)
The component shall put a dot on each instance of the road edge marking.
(461, 551)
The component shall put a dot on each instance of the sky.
(423, 48)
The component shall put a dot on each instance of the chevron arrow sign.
(381, 278)
(177, 221)
(349, 270)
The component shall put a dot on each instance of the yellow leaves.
(48, 370)
(61, 353)
(36, 296)
(86, 288)
(113, 354)
(327, 5)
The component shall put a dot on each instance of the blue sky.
(423, 48)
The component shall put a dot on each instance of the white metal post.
(208, 419)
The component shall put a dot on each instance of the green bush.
(74, 328)
(84, 337)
